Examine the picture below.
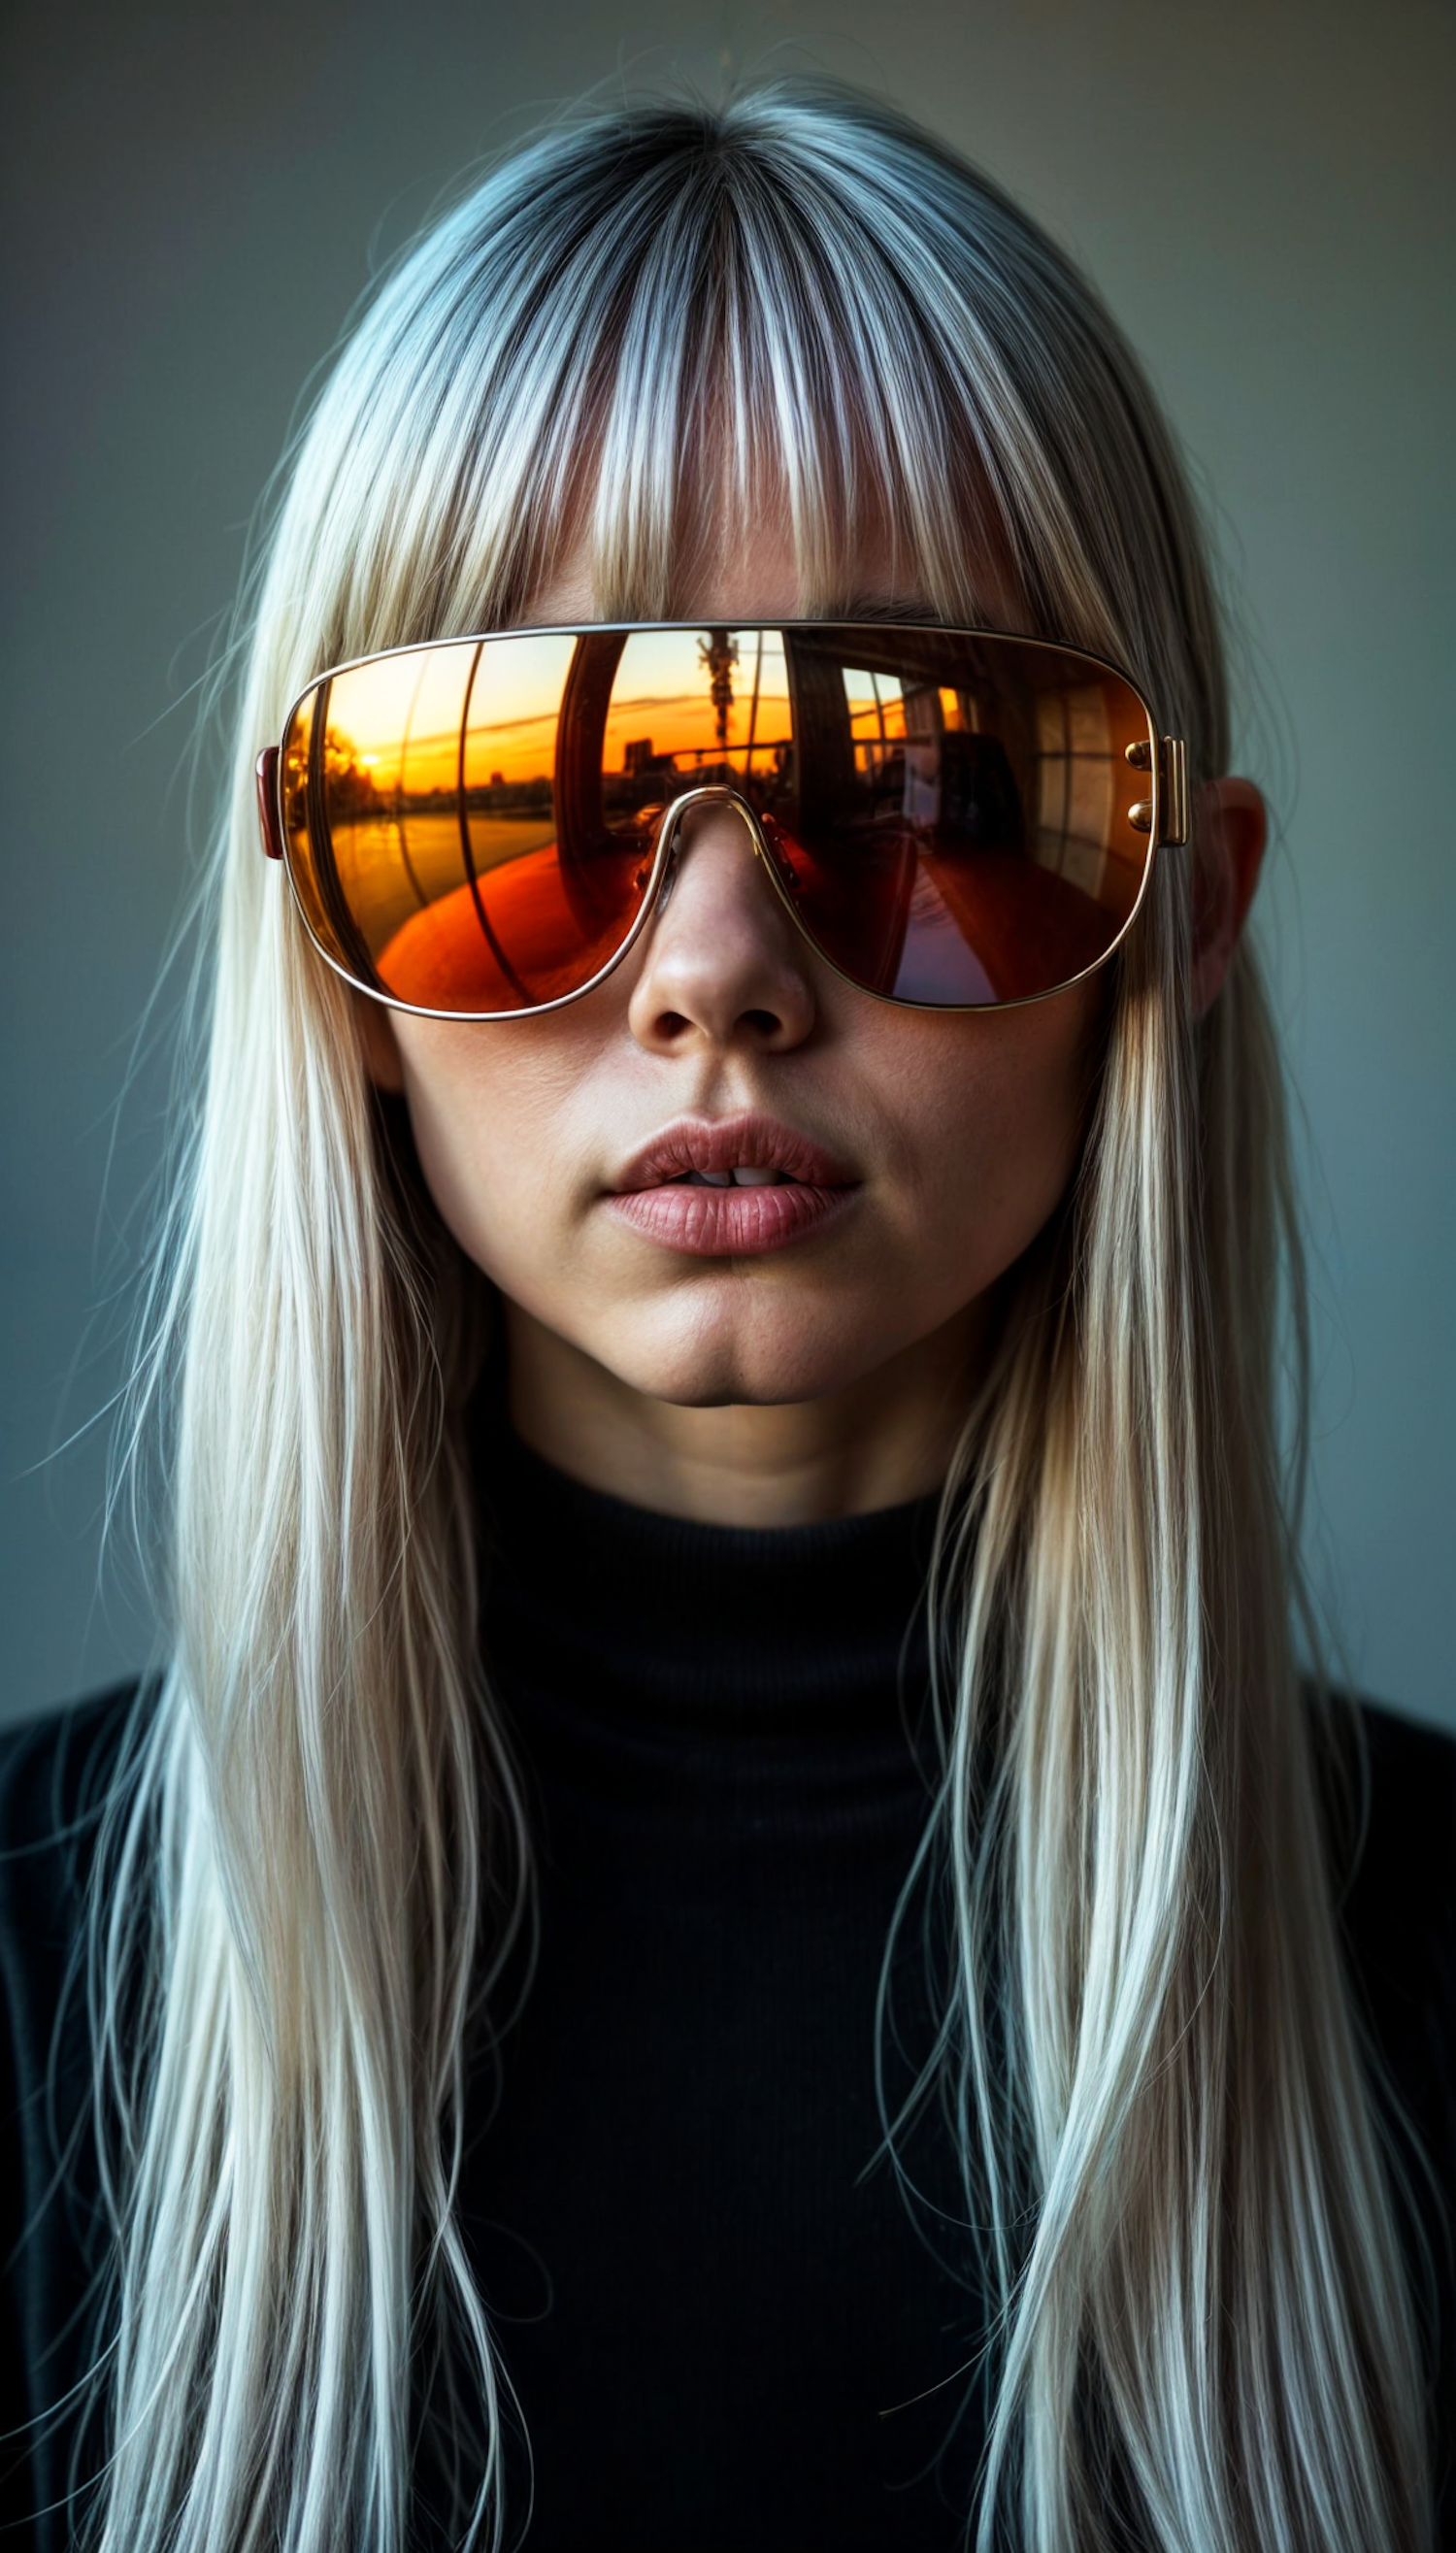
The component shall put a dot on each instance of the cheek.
(490, 1115)
(991, 1111)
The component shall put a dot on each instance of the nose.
(723, 964)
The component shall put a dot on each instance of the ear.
(1230, 833)
(376, 1026)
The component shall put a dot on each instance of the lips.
(731, 1187)
(715, 1147)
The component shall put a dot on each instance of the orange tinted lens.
(692, 708)
(444, 820)
(470, 827)
(956, 821)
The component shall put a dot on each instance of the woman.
(596, 1991)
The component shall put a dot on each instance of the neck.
(876, 1442)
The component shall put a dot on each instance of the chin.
(716, 1358)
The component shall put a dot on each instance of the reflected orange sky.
(958, 807)
(399, 718)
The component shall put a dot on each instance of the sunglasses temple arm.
(1174, 830)
(267, 774)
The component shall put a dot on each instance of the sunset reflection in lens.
(958, 830)
(420, 800)
(472, 826)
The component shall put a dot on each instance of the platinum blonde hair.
(1169, 2145)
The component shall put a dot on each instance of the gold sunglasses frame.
(1164, 816)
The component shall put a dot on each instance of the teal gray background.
(194, 199)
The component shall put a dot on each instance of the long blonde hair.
(1169, 2145)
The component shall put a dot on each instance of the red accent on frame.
(267, 801)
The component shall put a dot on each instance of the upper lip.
(721, 1144)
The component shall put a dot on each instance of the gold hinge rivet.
(1139, 816)
(1140, 755)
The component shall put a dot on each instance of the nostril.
(765, 1023)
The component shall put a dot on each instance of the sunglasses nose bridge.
(669, 840)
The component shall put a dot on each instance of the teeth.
(743, 1177)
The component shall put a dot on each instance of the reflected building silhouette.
(474, 825)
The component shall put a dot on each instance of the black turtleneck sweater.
(723, 2326)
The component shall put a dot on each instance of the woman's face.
(930, 1149)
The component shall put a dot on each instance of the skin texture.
(826, 1379)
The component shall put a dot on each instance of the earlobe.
(379, 1045)
(1230, 833)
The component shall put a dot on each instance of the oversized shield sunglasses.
(483, 827)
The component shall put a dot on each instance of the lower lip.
(731, 1223)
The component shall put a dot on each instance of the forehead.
(753, 580)
(748, 572)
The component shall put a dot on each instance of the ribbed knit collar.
(811, 1629)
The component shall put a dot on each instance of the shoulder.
(1400, 1900)
(57, 1775)
(1396, 1888)
(50, 1761)
(1415, 1762)
(1396, 1876)
(1397, 1919)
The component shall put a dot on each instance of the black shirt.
(722, 2325)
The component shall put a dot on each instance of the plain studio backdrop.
(195, 197)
